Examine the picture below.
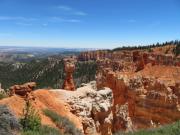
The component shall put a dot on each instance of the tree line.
(148, 47)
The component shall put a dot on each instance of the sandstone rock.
(94, 108)
(69, 68)
(107, 78)
(122, 120)
(151, 92)
(139, 58)
(22, 90)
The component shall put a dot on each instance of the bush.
(43, 130)
(2, 95)
(150, 50)
(172, 129)
(31, 119)
(9, 125)
(177, 49)
(31, 123)
(63, 123)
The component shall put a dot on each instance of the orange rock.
(69, 68)
(146, 84)
(45, 99)
(138, 57)
(22, 90)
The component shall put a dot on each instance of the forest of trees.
(46, 73)
(148, 47)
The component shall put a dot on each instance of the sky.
(88, 23)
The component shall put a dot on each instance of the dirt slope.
(44, 99)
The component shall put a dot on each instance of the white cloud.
(70, 10)
(65, 8)
(73, 20)
(18, 18)
(59, 19)
(56, 19)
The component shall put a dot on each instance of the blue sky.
(88, 23)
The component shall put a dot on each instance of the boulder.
(23, 89)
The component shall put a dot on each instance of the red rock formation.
(145, 87)
(22, 90)
(69, 68)
(149, 95)
(122, 97)
(138, 58)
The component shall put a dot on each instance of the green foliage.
(150, 50)
(31, 119)
(172, 129)
(2, 95)
(177, 49)
(63, 123)
(140, 47)
(31, 123)
(85, 72)
(45, 72)
(43, 130)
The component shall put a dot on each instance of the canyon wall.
(145, 85)
(141, 57)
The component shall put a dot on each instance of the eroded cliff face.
(146, 87)
(93, 107)
(140, 58)
(123, 107)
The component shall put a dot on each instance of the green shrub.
(2, 95)
(43, 130)
(63, 123)
(177, 49)
(31, 119)
(172, 129)
(143, 47)
(31, 123)
(149, 50)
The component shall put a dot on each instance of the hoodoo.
(69, 68)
